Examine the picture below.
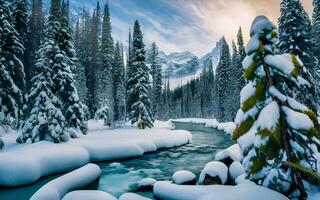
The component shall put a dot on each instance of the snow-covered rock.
(45, 158)
(132, 196)
(234, 152)
(57, 188)
(213, 170)
(236, 169)
(167, 190)
(242, 179)
(184, 177)
(146, 184)
(88, 194)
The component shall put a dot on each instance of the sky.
(187, 25)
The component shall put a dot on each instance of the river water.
(122, 176)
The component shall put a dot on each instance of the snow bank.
(234, 152)
(38, 160)
(88, 194)
(214, 169)
(236, 169)
(57, 188)
(183, 176)
(227, 127)
(167, 190)
(132, 196)
(45, 158)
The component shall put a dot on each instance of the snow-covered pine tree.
(316, 29)
(139, 83)
(119, 87)
(223, 80)
(241, 50)
(21, 16)
(156, 73)
(12, 76)
(80, 74)
(105, 84)
(237, 79)
(128, 73)
(37, 27)
(92, 59)
(295, 36)
(46, 121)
(316, 18)
(63, 73)
(276, 133)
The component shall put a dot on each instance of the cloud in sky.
(187, 25)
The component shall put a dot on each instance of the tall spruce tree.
(105, 85)
(46, 121)
(316, 18)
(12, 77)
(281, 155)
(241, 50)
(139, 83)
(119, 87)
(63, 75)
(156, 79)
(129, 72)
(36, 25)
(223, 80)
(80, 74)
(295, 35)
(237, 79)
(21, 16)
(93, 60)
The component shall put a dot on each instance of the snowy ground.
(45, 158)
(227, 127)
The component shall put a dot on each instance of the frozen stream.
(121, 176)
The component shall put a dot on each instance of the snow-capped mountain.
(185, 64)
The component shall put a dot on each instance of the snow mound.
(236, 169)
(57, 188)
(38, 159)
(214, 169)
(234, 152)
(146, 182)
(167, 190)
(183, 176)
(88, 194)
(132, 196)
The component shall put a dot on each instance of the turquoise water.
(119, 177)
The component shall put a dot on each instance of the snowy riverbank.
(227, 127)
(45, 158)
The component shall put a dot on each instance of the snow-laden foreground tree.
(277, 134)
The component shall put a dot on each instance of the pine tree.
(237, 77)
(63, 74)
(21, 16)
(139, 83)
(12, 77)
(105, 85)
(129, 73)
(93, 60)
(34, 40)
(281, 154)
(316, 29)
(223, 79)
(295, 33)
(316, 18)
(242, 51)
(119, 87)
(46, 121)
(156, 79)
(80, 74)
